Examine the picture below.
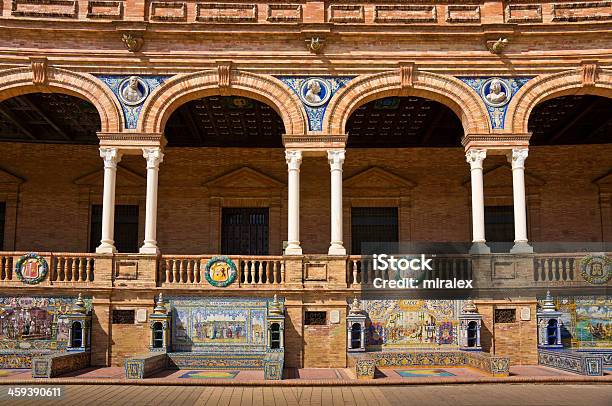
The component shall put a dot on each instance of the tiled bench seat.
(144, 366)
(578, 362)
(59, 363)
(366, 363)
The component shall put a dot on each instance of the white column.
(294, 160)
(475, 157)
(519, 155)
(154, 157)
(111, 157)
(336, 159)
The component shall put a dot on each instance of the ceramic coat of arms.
(596, 269)
(220, 271)
(31, 268)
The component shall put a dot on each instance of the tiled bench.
(365, 364)
(144, 366)
(56, 364)
(20, 359)
(583, 363)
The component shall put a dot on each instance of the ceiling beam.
(185, 112)
(599, 127)
(13, 120)
(431, 124)
(565, 127)
(38, 111)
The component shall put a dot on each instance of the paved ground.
(491, 395)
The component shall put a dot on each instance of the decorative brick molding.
(168, 11)
(346, 14)
(523, 13)
(547, 87)
(463, 14)
(45, 8)
(447, 90)
(284, 13)
(17, 81)
(582, 11)
(183, 88)
(405, 14)
(226, 13)
(105, 10)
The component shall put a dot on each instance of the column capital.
(336, 158)
(475, 157)
(111, 157)
(293, 158)
(154, 157)
(517, 157)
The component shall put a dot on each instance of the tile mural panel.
(411, 323)
(34, 323)
(587, 321)
(217, 324)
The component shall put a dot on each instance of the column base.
(106, 248)
(149, 248)
(521, 247)
(336, 249)
(293, 249)
(480, 248)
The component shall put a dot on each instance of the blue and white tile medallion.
(132, 92)
(496, 93)
(315, 93)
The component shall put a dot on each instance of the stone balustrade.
(63, 269)
(253, 271)
(488, 272)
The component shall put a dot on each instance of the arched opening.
(158, 335)
(400, 122)
(232, 147)
(403, 152)
(551, 332)
(572, 120)
(472, 334)
(225, 121)
(356, 336)
(50, 118)
(568, 174)
(76, 335)
(275, 336)
(47, 142)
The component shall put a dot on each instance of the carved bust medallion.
(496, 92)
(315, 92)
(133, 91)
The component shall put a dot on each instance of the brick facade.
(418, 48)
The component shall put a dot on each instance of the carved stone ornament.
(224, 74)
(497, 46)
(589, 74)
(132, 42)
(315, 44)
(39, 71)
(406, 76)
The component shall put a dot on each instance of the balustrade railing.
(252, 270)
(360, 269)
(62, 267)
(555, 268)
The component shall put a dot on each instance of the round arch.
(18, 81)
(548, 87)
(183, 88)
(451, 92)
